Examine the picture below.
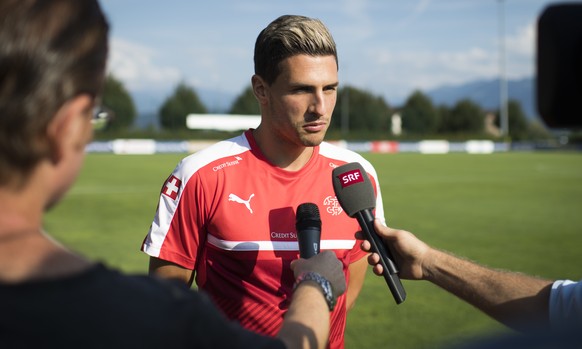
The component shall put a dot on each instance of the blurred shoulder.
(339, 152)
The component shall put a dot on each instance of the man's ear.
(69, 128)
(260, 89)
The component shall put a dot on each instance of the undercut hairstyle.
(50, 52)
(287, 36)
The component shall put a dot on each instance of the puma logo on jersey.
(247, 203)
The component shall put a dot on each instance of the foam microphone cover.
(353, 188)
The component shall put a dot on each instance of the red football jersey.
(228, 214)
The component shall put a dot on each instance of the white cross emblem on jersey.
(172, 187)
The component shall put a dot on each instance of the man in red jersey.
(226, 214)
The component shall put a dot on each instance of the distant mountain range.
(483, 92)
(486, 94)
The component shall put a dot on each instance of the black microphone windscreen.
(307, 216)
(353, 188)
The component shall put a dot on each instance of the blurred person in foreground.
(522, 302)
(52, 63)
(226, 214)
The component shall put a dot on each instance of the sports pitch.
(516, 211)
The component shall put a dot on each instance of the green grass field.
(517, 211)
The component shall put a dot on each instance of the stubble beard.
(312, 139)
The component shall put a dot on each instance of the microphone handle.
(309, 240)
(389, 270)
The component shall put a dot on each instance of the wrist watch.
(323, 283)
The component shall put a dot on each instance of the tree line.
(359, 114)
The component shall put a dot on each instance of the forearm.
(357, 272)
(306, 323)
(510, 298)
(168, 270)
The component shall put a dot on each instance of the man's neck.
(287, 156)
(32, 255)
(26, 252)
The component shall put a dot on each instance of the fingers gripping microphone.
(308, 225)
(355, 194)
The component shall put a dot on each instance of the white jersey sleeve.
(566, 304)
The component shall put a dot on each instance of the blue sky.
(387, 47)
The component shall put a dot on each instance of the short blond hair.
(287, 36)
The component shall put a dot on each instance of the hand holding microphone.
(355, 194)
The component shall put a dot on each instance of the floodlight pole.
(345, 127)
(345, 111)
(502, 78)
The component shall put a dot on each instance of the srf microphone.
(308, 226)
(355, 194)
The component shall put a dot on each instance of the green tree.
(182, 102)
(516, 120)
(444, 114)
(538, 131)
(419, 115)
(246, 103)
(119, 102)
(465, 116)
(363, 110)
